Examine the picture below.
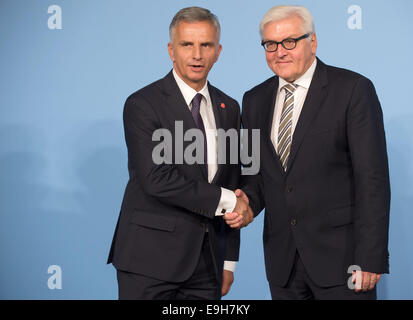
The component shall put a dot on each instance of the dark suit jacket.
(332, 203)
(167, 208)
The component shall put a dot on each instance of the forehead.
(196, 30)
(279, 30)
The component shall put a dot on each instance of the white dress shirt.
(228, 199)
(300, 94)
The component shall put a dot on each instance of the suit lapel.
(176, 102)
(315, 97)
(220, 121)
(179, 108)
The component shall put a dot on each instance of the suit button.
(289, 189)
(293, 222)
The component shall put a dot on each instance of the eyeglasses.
(288, 44)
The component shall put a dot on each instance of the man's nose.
(197, 52)
(281, 51)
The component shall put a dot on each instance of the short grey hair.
(278, 13)
(194, 14)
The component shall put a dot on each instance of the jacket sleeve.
(233, 235)
(368, 154)
(251, 184)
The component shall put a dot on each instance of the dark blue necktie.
(196, 106)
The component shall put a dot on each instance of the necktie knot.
(196, 102)
(290, 88)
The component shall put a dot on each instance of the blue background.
(63, 161)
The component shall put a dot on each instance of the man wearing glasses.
(323, 177)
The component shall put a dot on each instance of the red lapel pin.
(222, 105)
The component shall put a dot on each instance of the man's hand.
(365, 281)
(227, 280)
(242, 214)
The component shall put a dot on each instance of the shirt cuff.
(230, 265)
(226, 203)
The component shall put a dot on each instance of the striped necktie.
(285, 128)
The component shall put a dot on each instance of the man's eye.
(271, 44)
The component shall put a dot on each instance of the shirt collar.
(304, 80)
(188, 92)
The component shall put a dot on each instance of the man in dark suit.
(323, 177)
(171, 241)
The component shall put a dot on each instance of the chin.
(194, 75)
(282, 73)
(285, 76)
(195, 79)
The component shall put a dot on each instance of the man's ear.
(314, 43)
(171, 51)
(218, 53)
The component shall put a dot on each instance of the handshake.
(242, 214)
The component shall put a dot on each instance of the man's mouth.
(196, 67)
